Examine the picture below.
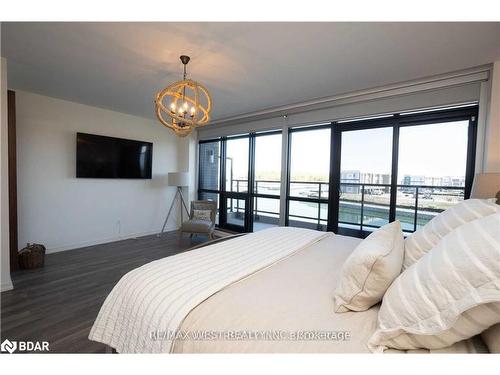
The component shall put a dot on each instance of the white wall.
(6, 282)
(492, 140)
(188, 158)
(64, 212)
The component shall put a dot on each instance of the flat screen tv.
(98, 156)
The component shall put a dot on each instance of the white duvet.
(148, 305)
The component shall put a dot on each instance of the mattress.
(288, 308)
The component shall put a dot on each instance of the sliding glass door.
(235, 190)
(243, 174)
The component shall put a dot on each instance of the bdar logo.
(24, 346)
(8, 346)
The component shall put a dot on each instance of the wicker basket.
(32, 256)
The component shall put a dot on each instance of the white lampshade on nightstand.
(178, 179)
(486, 185)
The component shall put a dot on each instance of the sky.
(429, 150)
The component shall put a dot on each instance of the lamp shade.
(485, 185)
(178, 179)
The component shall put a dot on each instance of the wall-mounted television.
(98, 156)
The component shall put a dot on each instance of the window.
(209, 166)
(365, 178)
(268, 164)
(209, 172)
(225, 168)
(308, 187)
(267, 180)
(407, 168)
(237, 165)
(350, 177)
(431, 170)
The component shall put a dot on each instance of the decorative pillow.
(424, 239)
(491, 338)
(370, 269)
(202, 215)
(451, 294)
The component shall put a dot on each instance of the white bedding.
(294, 294)
(159, 295)
(291, 296)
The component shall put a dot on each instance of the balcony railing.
(362, 205)
(265, 215)
(415, 204)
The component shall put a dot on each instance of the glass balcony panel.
(350, 205)
(266, 213)
(309, 215)
(235, 213)
(376, 206)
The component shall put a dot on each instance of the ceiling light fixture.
(183, 105)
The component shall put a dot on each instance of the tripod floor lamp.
(180, 180)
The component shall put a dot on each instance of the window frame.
(396, 121)
(211, 191)
(253, 194)
(248, 196)
(319, 201)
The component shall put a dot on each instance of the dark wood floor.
(59, 303)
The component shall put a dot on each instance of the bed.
(282, 305)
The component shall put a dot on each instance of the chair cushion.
(202, 215)
(197, 226)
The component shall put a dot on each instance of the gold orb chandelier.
(183, 105)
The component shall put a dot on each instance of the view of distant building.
(357, 177)
(434, 181)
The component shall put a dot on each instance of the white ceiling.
(246, 66)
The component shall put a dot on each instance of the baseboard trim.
(7, 285)
(104, 240)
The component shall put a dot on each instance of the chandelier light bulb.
(172, 107)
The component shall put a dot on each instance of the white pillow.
(370, 269)
(424, 239)
(451, 294)
(202, 215)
